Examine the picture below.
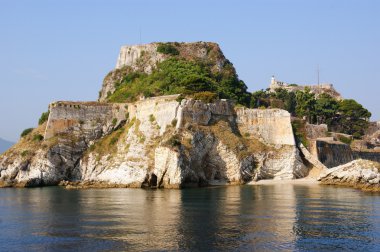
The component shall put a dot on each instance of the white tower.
(273, 81)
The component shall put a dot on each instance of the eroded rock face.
(157, 142)
(363, 174)
(144, 58)
(43, 165)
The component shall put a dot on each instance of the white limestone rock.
(359, 173)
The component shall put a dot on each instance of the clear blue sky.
(61, 50)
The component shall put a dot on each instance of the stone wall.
(314, 131)
(271, 126)
(163, 110)
(368, 155)
(91, 120)
(332, 153)
(164, 143)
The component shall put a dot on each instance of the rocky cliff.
(157, 142)
(168, 141)
(359, 173)
(144, 59)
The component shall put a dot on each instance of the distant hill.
(5, 145)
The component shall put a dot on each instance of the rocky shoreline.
(360, 174)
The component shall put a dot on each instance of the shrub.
(114, 140)
(174, 141)
(299, 130)
(38, 137)
(26, 132)
(44, 117)
(92, 147)
(114, 121)
(174, 122)
(24, 153)
(151, 118)
(343, 139)
(180, 98)
(167, 48)
(206, 96)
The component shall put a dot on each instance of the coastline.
(301, 181)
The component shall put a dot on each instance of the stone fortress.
(171, 143)
(317, 89)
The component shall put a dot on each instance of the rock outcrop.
(163, 141)
(359, 173)
(144, 58)
(157, 142)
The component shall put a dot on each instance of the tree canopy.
(345, 116)
(179, 76)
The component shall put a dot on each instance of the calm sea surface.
(236, 218)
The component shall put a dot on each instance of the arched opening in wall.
(153, 180)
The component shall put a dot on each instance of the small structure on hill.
(317, 89)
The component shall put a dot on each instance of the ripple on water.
(248, 218)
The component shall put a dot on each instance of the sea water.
(281, 217)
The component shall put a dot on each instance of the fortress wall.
(272, 126)
(88, 119)
(332, 153)
(368, 155)
(93, 119)
(314, 131)
(160, 110)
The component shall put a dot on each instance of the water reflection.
(244, 218)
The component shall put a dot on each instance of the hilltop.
(173, 68)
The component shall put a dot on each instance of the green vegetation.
(167, 48)
(151, 118)
(44, 117)
(24, 153)
(174, 141)
(305, 104)
(326, 108)
(280, 99)
(38, 137)
(114, 140)
(174, 122)
(114, 121)
(352, 119)
(26, 132)
(346, 116)
(179, 76)
(343, 139)
(299, 130)
(206, 96)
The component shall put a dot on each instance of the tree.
(260, 98)
(353, 118)
(306, 104)
(326, 109)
